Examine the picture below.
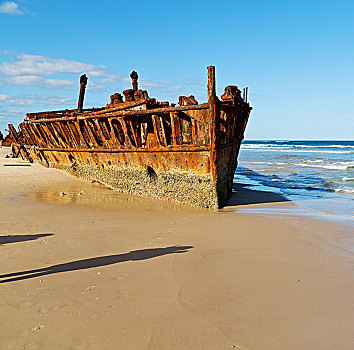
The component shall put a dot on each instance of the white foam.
(348, 179)
(344, 190)
(290, 150)
(334, 166)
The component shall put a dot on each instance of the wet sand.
(84, 267)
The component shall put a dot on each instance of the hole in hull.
(151, 173)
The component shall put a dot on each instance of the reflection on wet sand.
(98, 195)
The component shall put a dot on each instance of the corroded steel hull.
(186, 153)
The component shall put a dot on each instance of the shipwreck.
(186, 153)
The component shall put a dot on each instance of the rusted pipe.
(134, 76)
(83, 83)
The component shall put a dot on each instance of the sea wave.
(290, 150)
(344, 190)
(318, 163)
(348, 179)
(333, 166)
(286, 146)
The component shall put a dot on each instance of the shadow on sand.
(22, 238)
(241, 195)
(134, 255)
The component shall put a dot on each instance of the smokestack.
(83, 83)
(134, 76)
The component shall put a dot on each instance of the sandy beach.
(84, 267)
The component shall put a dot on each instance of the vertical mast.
(212, 119)
(83, 83)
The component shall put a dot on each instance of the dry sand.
(95, 269)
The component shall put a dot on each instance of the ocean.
(317, 175)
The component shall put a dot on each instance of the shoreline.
(102, 269)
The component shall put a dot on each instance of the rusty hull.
(187, 153)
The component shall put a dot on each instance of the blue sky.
(296, 57)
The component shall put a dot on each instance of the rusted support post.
(212, 119)
(83, 83)
(246, 94)
(176, 129)
(134, 76)
(13, 133)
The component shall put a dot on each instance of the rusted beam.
(132, 129)
(128, 113)
(53, 141)
(92, 139)
(13, 133)
(128, 150)
(212, 118)
(58, 135)
(157, 129)
(105, 142)
(73, 134)
(176, 129)
(26, 135)
(33, 131)
(128, 142)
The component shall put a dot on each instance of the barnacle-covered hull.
(187, 153)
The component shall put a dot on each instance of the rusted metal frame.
(125, 131)
(13, 133)
(64, 134)
(52, 134)
(212, 120)
(55, 135)
(193, 131)
(114, 139)
(59, 137)
(159, 130)
(92, 138)
(70, 126)
(36, 114)
(68, 136)
(32, 135)
(128, 105)
(21, 148)
(82, 138)
(225, 145)
(50, 137)
(105, 142)
(27, 136)
(156, 132)
(130, 124)
(124, 113)
(129, 150)
(33, 131)
(164, 110)
(230, 107)
(43, 134)
(176, 129)
(95, 132)
(174, 137)
(105, 131)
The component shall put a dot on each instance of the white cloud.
(51, 73)
(11, 8)
(33, 80)
(25, 100)
(109, 79)
(193, 81)
(47, 66)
